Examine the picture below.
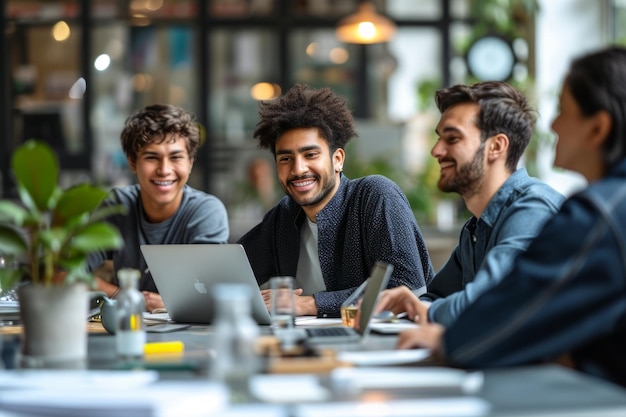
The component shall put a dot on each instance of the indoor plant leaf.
(12, 213)
(96, 236)
(12, 242)
(76, 201)
(39, 183)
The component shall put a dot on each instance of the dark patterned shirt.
(369, 219)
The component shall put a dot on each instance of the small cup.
(282, 303)
(350, 308)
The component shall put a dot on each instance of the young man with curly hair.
(328, 231)
(160, 143)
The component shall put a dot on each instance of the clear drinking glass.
(8, 265)
(130, 333)
(234, 341)
(282, 303)
(351, 306)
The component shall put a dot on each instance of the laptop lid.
(184, 274)
(378, 280)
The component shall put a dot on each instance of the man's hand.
(428, 335)
(106, 287)
(402, 299)
(152, 300)
(305, 304)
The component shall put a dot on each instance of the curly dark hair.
(154, 123)
(303, 107)
(503, 109)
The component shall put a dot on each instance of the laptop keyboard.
(329, 331)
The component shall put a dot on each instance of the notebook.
(184, 274)
(379, 277)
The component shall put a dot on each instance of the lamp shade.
(365, 26)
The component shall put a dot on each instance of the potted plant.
(52, 231)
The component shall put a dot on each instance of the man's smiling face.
(162, 171)
(307, 171)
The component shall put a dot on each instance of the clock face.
(491, 58)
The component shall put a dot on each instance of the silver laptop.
(379, 277)
(184, 274)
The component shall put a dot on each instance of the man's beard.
(468, 179)
(327, 187)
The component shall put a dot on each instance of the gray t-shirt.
(309, 273)
(201, 218)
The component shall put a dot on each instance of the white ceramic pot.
(55, 325)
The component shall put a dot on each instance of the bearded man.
(483, 132)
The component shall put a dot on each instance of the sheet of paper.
(75, 379)
(156, 317)
(153, 400)
(444, 407)
(383, 357)
(315, 321)
(392, 328)
(431, 378)
(288, 388)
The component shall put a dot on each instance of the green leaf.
(37, 171)
(97, 236)
(76, 201)
(9, 279)
(12, 213)
(53, 239)
(12, 241)
(73, 261)
(79, 274)
(103, 212)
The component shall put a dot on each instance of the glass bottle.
(235, 337)
(130, 334)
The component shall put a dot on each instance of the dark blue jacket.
(367, 220)
(566, 293)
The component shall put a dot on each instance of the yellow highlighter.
(163, 348)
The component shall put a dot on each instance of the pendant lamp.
(365, 26)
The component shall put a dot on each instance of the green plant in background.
(506, 17)
(421, 190)
(53, 229)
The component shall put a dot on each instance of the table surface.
(546, 390)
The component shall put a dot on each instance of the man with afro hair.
(328, 231)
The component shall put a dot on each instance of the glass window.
(163, 65)
(320, 60)
(242, 8)
(619, 21)
(101, 9)
(244, 63)
(48, 88)
(415, 67)
(41, 11)
(459, 9)
(112, 103)
(406, 9)
(141, 10)
(324, 8)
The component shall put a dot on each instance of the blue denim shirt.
(487, 245)
(566, 293)
(367, 220)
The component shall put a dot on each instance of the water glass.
(282, 302)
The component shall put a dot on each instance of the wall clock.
(491, 58)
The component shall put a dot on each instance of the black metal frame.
(284, 22)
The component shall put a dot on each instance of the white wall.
(565, 30)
